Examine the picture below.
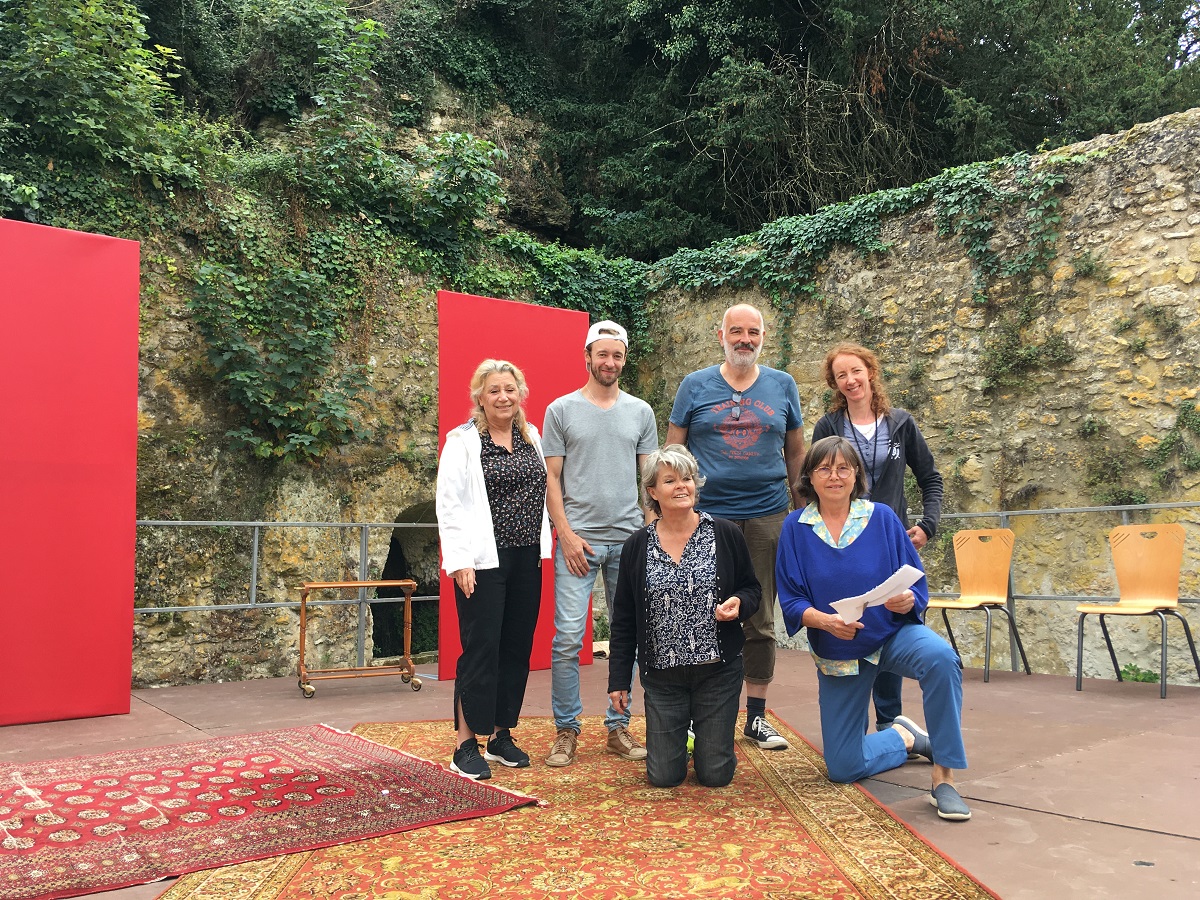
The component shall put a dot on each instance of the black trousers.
(495, 626)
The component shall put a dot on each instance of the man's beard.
(604, 378)
(742, 356)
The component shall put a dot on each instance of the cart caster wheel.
(406, 678)
(308, 691)
(416, 684)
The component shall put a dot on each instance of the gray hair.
(672, 456)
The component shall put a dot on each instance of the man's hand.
(575, 551)
(620, 700)
(918, 536)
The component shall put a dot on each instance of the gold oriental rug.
(780, 830)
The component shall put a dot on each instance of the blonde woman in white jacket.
(491, 510)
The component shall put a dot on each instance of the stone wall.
(1123, 291)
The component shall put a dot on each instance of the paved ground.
(1075, 795)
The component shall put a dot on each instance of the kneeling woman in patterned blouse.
(491, 511)
(685, 584)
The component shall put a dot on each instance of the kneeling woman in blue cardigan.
(685, 584)
(841, 546)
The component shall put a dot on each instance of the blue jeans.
(888, 689)
(706, 697)
(571, 594)
(915, 651)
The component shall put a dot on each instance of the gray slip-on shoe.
(949, 804)
(921, 745)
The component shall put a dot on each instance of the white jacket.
(463, 514)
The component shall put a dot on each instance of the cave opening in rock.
(412, 553)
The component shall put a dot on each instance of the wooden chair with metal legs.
(983, 557)
(1147, 560)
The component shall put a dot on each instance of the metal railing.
(1003, 516)
(364, 563)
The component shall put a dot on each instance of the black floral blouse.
(681, 599)
(516, 489)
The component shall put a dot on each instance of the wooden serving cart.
(405, 670)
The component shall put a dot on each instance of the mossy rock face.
(1067, 431)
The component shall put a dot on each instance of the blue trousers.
(851, 751)
(707, 697)
(571, 596)
(888, 689)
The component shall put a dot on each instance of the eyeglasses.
(736, 412)
(840, 471)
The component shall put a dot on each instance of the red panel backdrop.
(547, 345)
(68, 463)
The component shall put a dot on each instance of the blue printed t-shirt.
(742, 458)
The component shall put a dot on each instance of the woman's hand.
(620, 700)
(901, 603)
(729, 610)
(831, 622)
(839, 629)
(465, 579)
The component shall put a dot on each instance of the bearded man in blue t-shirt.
(742, 422)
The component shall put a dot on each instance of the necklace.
(860, 444)
(591, 398)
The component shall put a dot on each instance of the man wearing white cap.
(594, 440)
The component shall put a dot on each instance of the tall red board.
(547, 345)
(68, 470)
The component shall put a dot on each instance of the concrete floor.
(1074, 795)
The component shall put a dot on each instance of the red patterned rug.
(76, 826)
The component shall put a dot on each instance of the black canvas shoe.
(467, 761)
(759, 731)
(501, 749)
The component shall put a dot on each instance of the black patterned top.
(516, 489)
(681, 599)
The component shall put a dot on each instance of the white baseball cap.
(606, 329)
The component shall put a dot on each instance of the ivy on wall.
(969, 204)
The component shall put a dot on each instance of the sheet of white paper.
(851, 609)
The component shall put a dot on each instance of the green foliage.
(1131, 672)
(82, 97)
(1091, 427)
(1163, 319)
(1182, 442)
(1032, 73)
(77, 80)
(1091, 264)
(1109, 467)
(451, 186)
(271, 339)
(1008, 359)
(783, 256)
(553, 275)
